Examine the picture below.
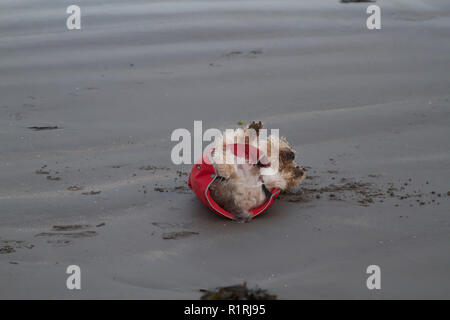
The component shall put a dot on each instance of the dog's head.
(293, 173)
(281, 158)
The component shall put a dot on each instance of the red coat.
(203, 174)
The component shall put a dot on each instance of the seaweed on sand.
(237, 292)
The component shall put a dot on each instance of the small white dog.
(244, 186)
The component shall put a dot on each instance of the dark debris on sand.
(81, 234)
(307, 194)
(237, 292)
(91, 193)
(41, 171)
(364, 193)
(75, 188)
(351, 1)
(70, 227)
(10, 246)
(6, 249)
(41, 128)
(176, 189)
(53, 178)
(64, 235)
(178, 235)
(153, 168)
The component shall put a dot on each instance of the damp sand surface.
(86, 118)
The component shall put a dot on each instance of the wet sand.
(85, 170)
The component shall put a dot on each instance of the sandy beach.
(93, 185)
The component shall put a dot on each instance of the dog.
(242, 185)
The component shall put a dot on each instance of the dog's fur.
(241, 189)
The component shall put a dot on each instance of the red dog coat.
(203, 174)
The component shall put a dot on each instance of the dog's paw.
(243, 217)
(294, 176)
(255, 125)
(239, 220)
(299, 172)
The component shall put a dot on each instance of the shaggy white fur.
(242, 189)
